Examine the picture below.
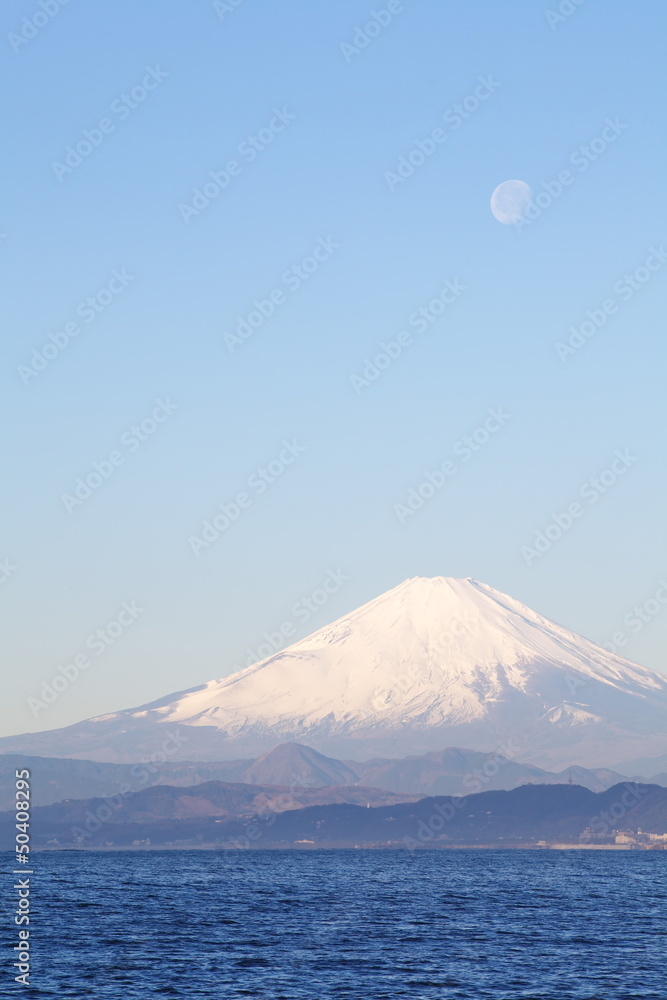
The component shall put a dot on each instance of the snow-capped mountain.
(431, 663)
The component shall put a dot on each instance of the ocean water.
(368, 925)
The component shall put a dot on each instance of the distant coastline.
(360, 847)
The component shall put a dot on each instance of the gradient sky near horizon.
(218, 76)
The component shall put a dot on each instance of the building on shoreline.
(650, 841)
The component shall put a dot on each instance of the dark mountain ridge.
(452, 771)
(223, 815)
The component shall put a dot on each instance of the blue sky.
(170, 93)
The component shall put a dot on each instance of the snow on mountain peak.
(433, 662)
(430, 652)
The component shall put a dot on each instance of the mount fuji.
(429, 664)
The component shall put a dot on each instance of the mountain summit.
(429, 663)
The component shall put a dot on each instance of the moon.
(510, 200)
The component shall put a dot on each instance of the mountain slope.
(298, 766)
(447, 772)
(430, 663)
